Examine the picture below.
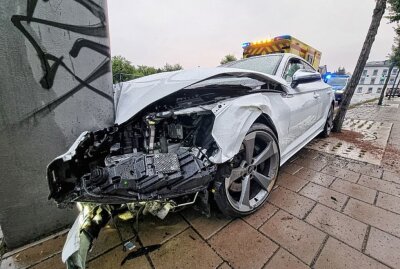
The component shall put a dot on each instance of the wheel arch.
(266, 120)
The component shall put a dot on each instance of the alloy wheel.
(254, 172)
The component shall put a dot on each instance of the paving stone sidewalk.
(326, 212)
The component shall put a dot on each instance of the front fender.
(233, 120)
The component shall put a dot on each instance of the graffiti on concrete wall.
(51, 63)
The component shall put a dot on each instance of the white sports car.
(184, 136)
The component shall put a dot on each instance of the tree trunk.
(385, 86)
(362, 60)
(397, 86)
(392, 92)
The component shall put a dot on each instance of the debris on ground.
(140, 252)
(391, 159)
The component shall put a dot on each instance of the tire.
(328, 124)
(231, 196)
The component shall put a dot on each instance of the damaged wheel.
(244, 184)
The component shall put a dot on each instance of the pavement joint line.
(25, 247)
(317, 202)
(349, 196)
(334, 238)
(211, 235)
(308, 183)
(273, 214)
(105, 252)
(280, 246)
(108, 250)
(376, 197)
(397, 236)
(219, 265)
(321, 247)
(366, 237)
(381, 191)
(147, 255)
(138, 241)
(343, 193)
(273, 255)
(388, 210)
(206, 240)
(345, 204)
(261, 233)
(335, 179)
(89, 260)
(339, 177)
(39, 262)
(311, 209)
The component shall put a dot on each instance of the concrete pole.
(55, 81)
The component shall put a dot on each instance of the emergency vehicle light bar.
(247, 44)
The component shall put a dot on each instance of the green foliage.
(124, 70)
(394, 16)
(394, 10)
(228, 58)
(168, 67)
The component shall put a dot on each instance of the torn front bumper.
(129, 178)
(83, 232)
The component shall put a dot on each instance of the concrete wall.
(55, 82)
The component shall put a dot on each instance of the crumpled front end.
(168, 149)
(126, 164)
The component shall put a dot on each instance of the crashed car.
(208, 133)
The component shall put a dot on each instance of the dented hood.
(133, 96)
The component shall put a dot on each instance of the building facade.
(374, 76)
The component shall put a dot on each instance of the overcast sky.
(200, 32)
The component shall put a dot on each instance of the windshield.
(337, 81)
(265, 64)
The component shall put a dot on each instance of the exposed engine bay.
(159, 156)
(162, 152)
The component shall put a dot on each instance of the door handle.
(316, 95)
(287, 95)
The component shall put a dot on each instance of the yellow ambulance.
(282, 44)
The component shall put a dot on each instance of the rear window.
(338, 81)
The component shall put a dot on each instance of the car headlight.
(339, 91)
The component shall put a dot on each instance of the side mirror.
(304, 76)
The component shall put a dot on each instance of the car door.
(322, 94)
(303, 103)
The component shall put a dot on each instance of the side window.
(291, 68)
(307, 67)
